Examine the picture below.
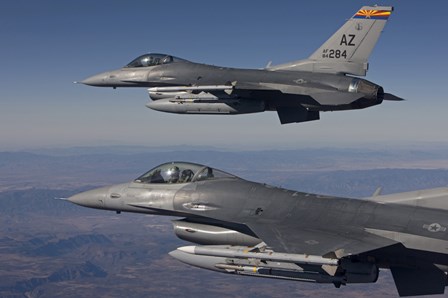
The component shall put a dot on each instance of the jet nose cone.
(96, 80)
(93, 198)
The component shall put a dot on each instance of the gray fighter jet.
(298, 90)
(254, 229)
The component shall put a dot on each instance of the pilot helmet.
(186, 175)
(147, 61)
(173, 174)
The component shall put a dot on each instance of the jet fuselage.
(237, 204)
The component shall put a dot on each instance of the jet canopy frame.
(153, 59)
(182, 172)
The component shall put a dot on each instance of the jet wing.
(287, 237)
(291, 102)
(320, 94)
(290, 237)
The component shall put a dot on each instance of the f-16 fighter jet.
(252, 229)
(326, 81)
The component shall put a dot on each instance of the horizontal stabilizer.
(419, 281)
(296, 114)
(388, 96)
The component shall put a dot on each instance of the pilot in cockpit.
(167, 59)
(147, 61)
(186, 176)
(173, 175)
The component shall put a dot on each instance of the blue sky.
(46, 45)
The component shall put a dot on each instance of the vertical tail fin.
(355, 40)
(347, 50)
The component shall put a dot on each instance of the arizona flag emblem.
(372, 14)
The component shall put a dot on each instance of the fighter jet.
(251, 229)
(327, 81)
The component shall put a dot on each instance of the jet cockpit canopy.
(153, 59)
(182, 172)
